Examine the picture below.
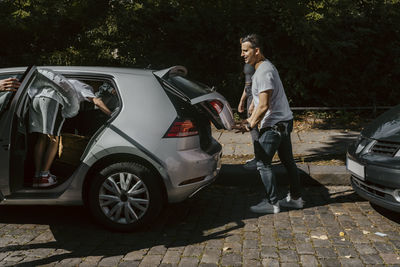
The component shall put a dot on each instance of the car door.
(11, 110)
(203, 97)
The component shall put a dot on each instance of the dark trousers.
(272, 140)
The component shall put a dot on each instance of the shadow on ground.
(391, 215)
(217, 212)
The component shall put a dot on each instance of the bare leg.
(50, 153)
(38, 152)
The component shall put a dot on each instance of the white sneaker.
(45, 180)
(288, 202)
(265, 207)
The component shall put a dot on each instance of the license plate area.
(356, 168)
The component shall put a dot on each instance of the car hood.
(385, 127)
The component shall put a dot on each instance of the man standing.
(273, 113)
(247, 96)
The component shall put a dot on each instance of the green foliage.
(328, 52)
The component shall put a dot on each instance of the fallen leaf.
(341, 234)
(365, 232)
(227, 248)
(347, 256)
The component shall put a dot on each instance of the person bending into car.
(273, 113)
(53, 98)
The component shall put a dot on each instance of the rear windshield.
(191, 89)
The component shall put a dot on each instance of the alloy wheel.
(124, 198)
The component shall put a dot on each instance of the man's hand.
(10, 84)
(242, 127)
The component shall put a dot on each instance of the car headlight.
(364, 144)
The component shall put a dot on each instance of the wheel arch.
(115, 158)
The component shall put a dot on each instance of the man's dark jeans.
(272, 140)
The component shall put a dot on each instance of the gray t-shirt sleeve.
(265, 81)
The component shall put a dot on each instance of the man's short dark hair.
(255, 41)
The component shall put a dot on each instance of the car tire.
(125, 196)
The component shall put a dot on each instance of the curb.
(310, 175)
(315, 143)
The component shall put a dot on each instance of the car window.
(190, 88)
(90, 118)
(105, 90)
(5, 97)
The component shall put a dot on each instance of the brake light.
(181, 129)
(217, 105)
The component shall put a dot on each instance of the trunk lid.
(201, 96)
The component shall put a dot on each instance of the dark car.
(374, 161)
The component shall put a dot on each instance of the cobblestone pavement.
(213, 229)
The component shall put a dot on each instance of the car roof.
(96, 69)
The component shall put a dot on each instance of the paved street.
(213, 229)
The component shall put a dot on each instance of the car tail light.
(182, 129)
(217, 105)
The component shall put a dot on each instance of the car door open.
(11, 122)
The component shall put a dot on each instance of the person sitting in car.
(10, 84)
(108, 95)
(7, 86)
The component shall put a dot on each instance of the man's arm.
(98, 102)
(261, 109)
(10, 84)
(242, 101)
(251, 108)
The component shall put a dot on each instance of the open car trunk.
(205, 99)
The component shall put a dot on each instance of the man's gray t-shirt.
(267, 78)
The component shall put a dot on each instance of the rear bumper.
(197, 170)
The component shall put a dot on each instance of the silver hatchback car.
(156, 147)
